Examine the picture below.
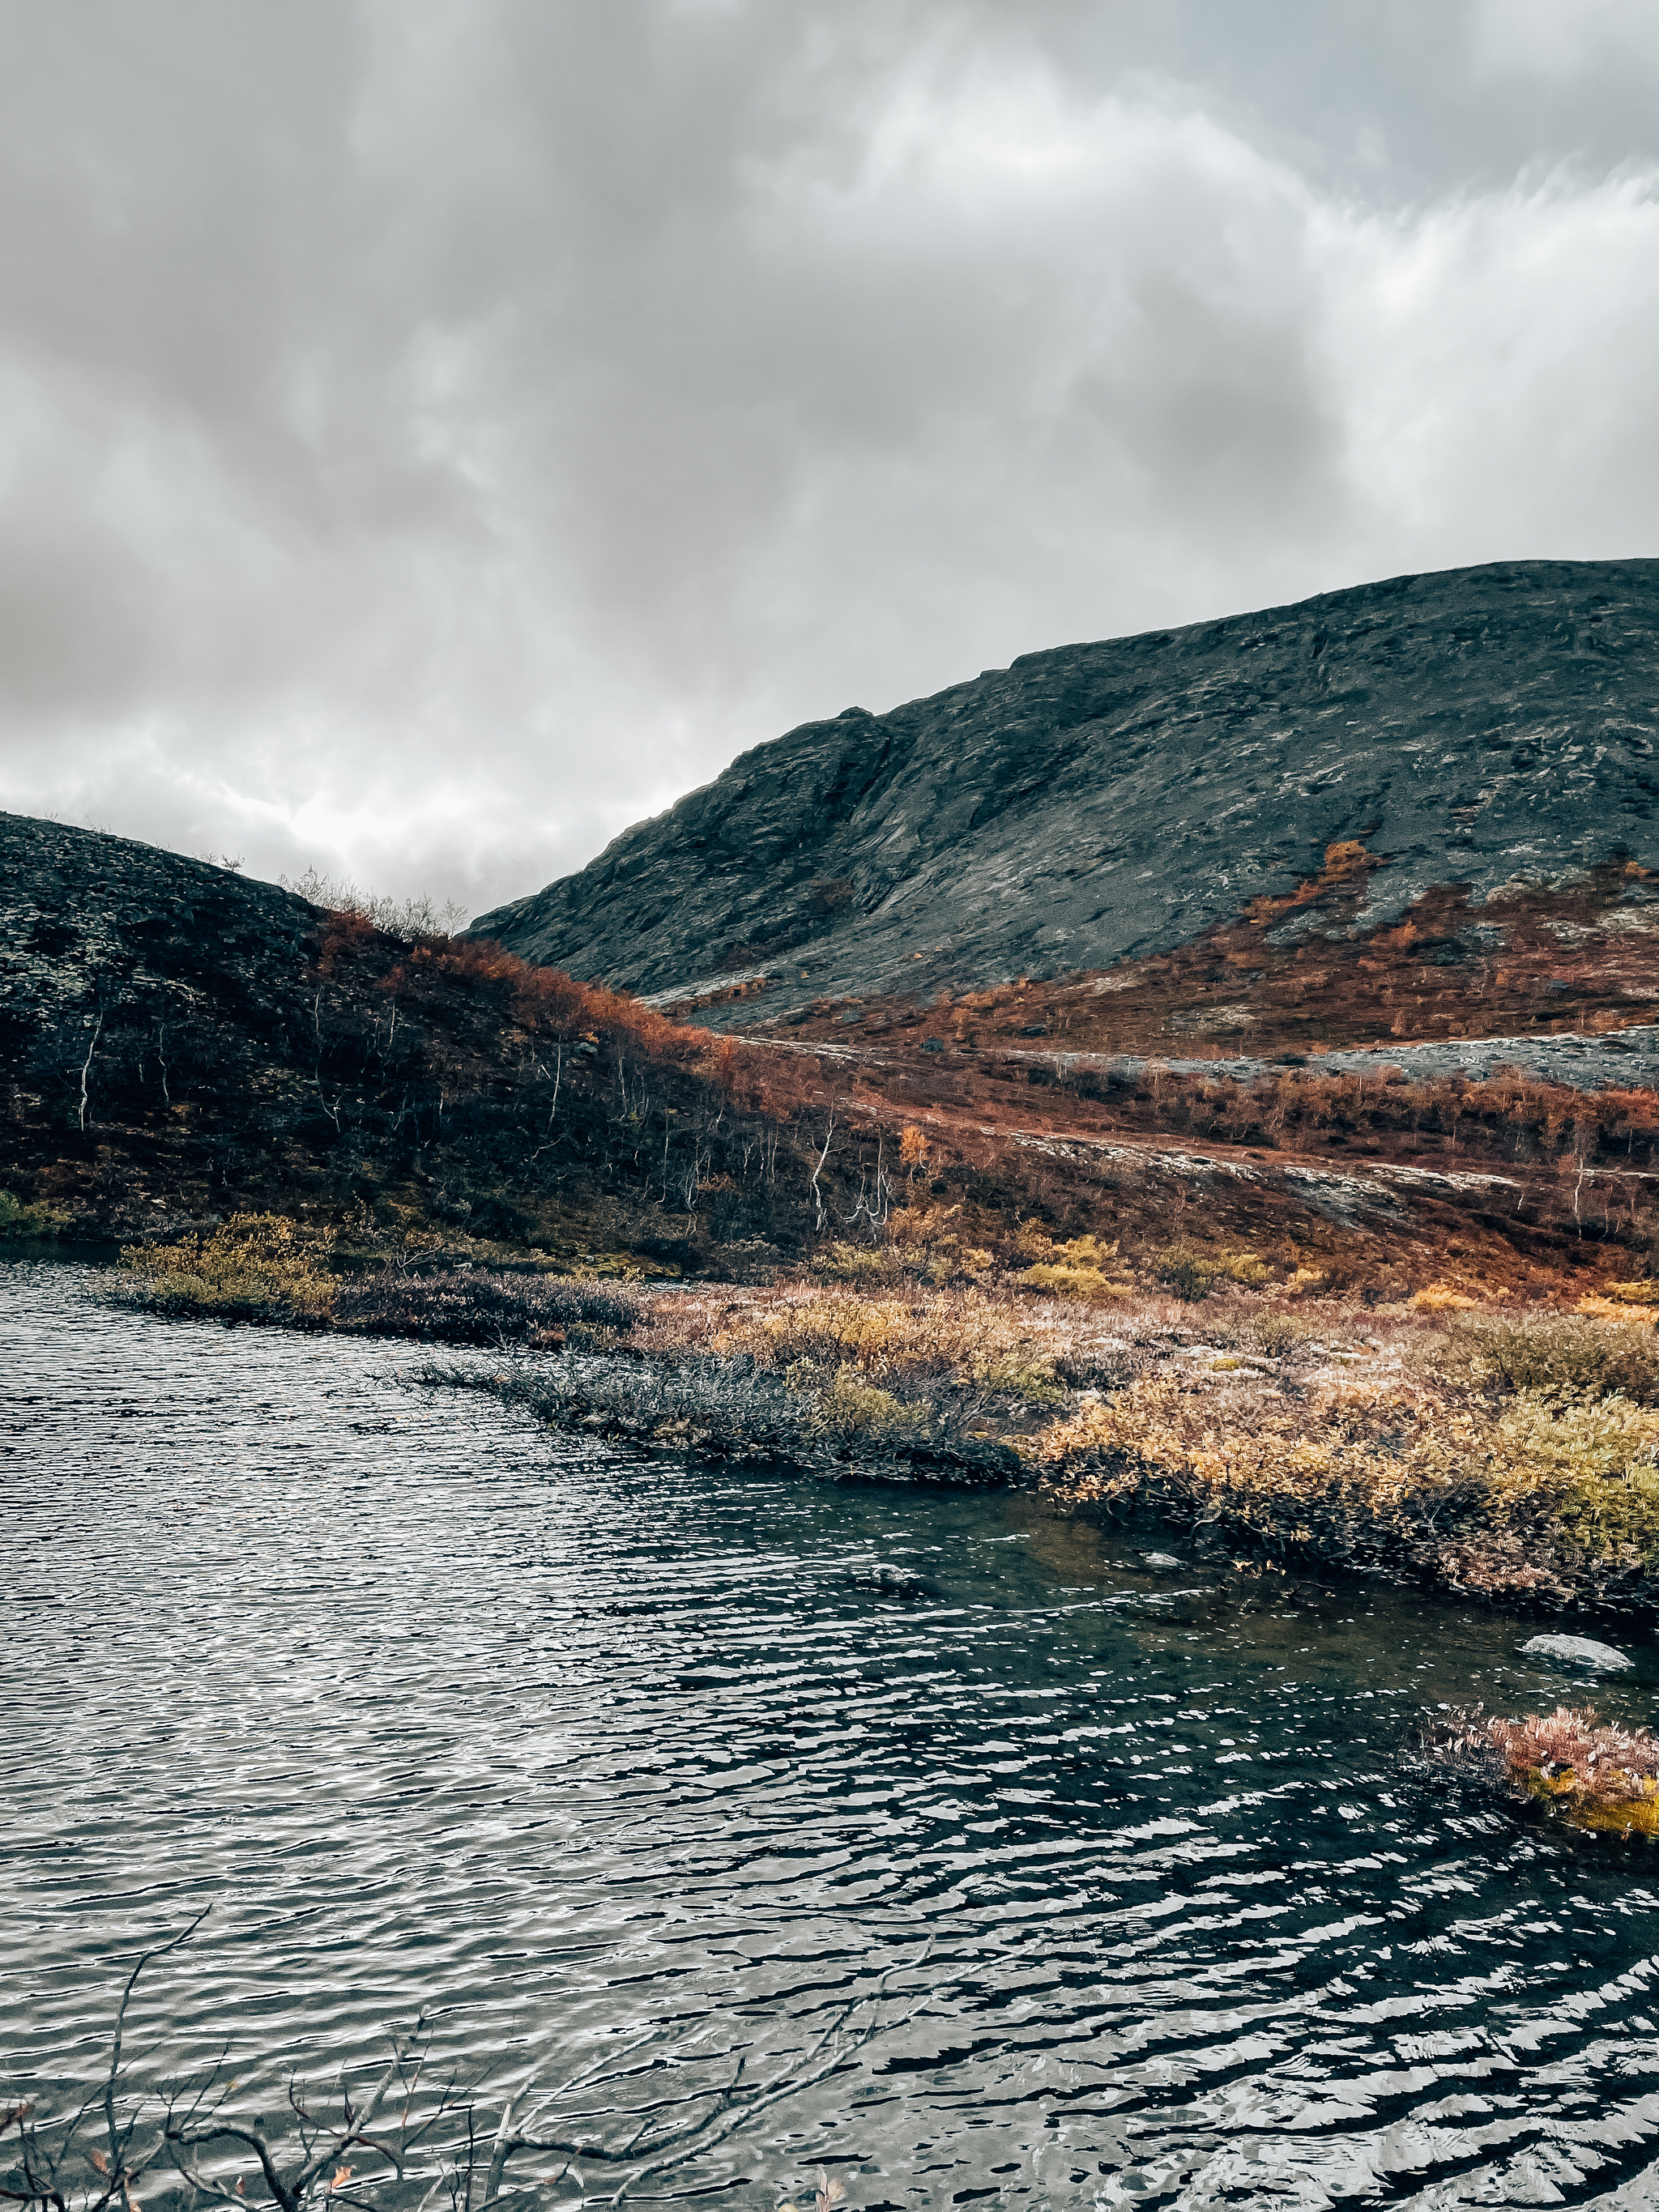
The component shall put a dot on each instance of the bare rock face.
(1101, 801)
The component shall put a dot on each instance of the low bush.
(479, 1305)
(1549, 1352)
(1084, 1268)
(21, 1221)
(723, 1397)
(263, 1266)
(1499, 1498)
(1602, 1779)
(1018, 1375)
(1192, 1272)
(255, 1267)
(1600, 1309)
(961, 1333)
(845, 1406)
(866, 1263)
(1278, 1333)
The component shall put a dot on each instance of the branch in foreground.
(403, 2145)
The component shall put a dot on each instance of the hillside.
(178, 1044)
(1104, 802)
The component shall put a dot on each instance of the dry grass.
(1602, 1779)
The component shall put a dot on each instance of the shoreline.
(1487, 1457)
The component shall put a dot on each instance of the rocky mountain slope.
(1099, 803)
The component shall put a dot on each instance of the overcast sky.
(434, 436)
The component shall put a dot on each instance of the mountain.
(1328, 937)
(1101, 803)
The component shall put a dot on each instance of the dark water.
(1139, 1903)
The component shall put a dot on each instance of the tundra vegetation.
(1600, 1778)
(183, 1046)
(1504, 1454)
(1299, 1312)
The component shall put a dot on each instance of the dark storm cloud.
(431, 438)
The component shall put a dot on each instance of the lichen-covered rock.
(1098, 801)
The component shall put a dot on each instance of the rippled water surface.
(436, 1708)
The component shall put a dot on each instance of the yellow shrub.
(913, 1146)
(945, 1330)
(1016, 1375)
(1192, 1272)
(1598, 1460)
(1551, 1434)
(1377, 1456)
(1078, 1270)
(1242, 1267)
(1279, 1447)
(1600, 1309)
(19, 1220)
(847, 1406)
(1068, 1282)
(1304, 1281)
(922, 1225)
(1633, 1294)
(1441, 1297)
(1609, 1518)
(1278, 1333)
(862, 1263)
(256, 1264)
(1550, 1352)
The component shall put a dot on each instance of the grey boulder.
(892, 1582)
(1578, 1651)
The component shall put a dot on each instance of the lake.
(1118, 1873)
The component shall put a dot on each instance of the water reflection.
(1139, 1899)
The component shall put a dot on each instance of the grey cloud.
(431, 438)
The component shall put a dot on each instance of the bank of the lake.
(1500, 1454)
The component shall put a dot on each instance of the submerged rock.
(891, 1582)
(1164, 1562)
(1580, 1651)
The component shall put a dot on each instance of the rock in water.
(1578, 1651)
(1163, 1561)
(891, 1582)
